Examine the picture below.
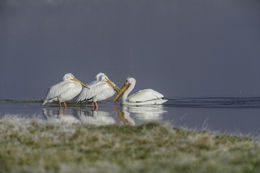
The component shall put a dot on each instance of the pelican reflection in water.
(79, 116)
(122, 115)
(58, 116)
(104, 118)
(140, 114)
(94, 117)
(148, 113)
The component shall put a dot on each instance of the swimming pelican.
(142, 97)
(101, 89)
(65, 90)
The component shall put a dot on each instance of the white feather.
(99, 90)
(145, 95)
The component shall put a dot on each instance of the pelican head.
(70, 76)
(129, 82)
(101, 77)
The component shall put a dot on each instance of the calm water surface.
(229, 115)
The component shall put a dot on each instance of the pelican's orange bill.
(113, 86)
(76, 80)
(122, 90)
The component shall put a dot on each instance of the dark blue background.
(179, 48)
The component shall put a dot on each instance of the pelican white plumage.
(101, 89)
(142, 97)
(66, 90)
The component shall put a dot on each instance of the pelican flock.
(100, 89)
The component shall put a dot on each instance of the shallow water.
(229, 115)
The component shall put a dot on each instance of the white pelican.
(142, 97)
(66, 90)
(101, 89)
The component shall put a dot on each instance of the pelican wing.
(145, 95)
(95, 89)
(56, 90)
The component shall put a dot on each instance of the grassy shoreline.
(37, 146)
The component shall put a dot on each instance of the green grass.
(37, 146)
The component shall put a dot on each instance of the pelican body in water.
(66, 90)
(101, 89)
(142, 97)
